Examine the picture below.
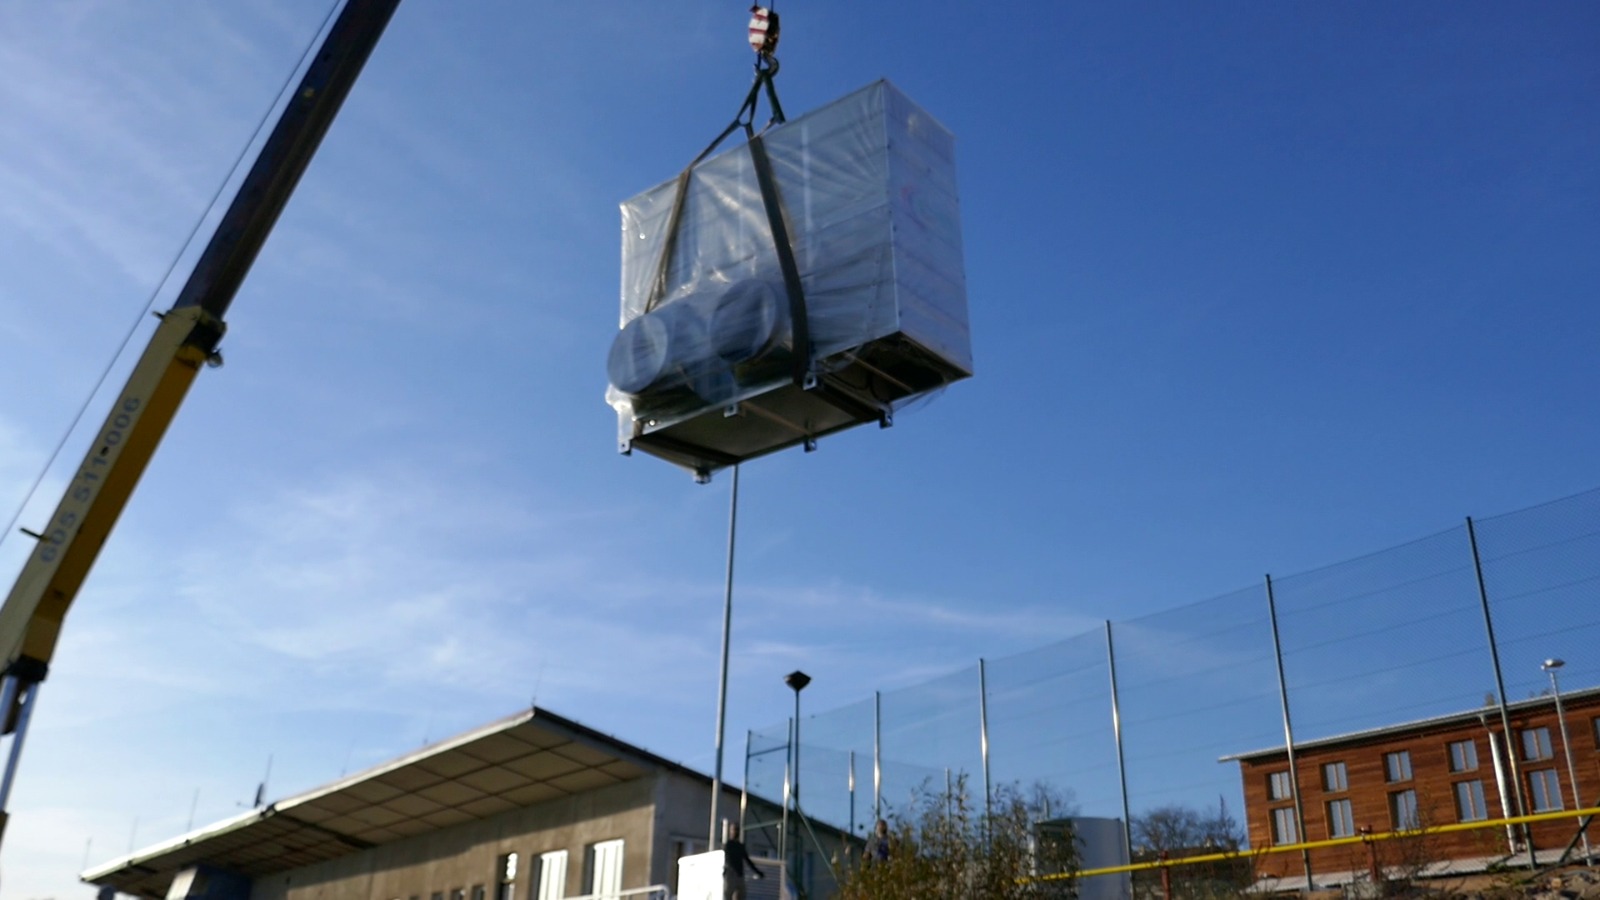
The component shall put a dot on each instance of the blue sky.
(1253, 287)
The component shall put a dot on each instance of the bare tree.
(944, 849)
(1185, 831)
(1175, 832)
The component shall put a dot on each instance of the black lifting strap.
(799, 323)
(771, 199)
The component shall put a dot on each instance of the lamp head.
(1550, 665)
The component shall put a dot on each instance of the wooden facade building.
(1416, 776)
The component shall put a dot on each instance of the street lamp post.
(1550, 666)
(797, 680)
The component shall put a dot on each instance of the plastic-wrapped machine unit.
(710, 368)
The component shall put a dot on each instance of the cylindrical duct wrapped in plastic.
(704, 372)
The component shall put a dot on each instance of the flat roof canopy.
(1489, 716)
(519, 761)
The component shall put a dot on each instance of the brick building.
(1457, 768)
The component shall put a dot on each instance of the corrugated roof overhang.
(519, 761)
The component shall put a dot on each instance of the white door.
(552, 876)
(606, 868)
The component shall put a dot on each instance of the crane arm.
(35, 608)
(30, 621)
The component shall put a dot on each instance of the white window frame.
(551, 883)
(1470, 805)
(1397, 766)
(1335, 777)
(1279, 786)
(1284, 830)
(1403, 810)
(1341, 818)
(1464, 756)
(603, 861)
(1536, 745)
(505, 880)
(1544, 790)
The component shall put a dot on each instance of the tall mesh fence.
(1147, 713)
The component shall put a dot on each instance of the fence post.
(744, 789)
(983, 731)
(1116, 731)
(877, 757)
(783, 827)
(1500, 689)
(1288, 735)
(851, 786)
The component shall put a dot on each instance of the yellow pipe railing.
(1254, 853)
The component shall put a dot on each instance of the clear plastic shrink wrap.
(703, 372)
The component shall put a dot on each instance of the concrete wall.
(468, 855)
(659, 817)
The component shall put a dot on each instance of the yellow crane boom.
(37, 605)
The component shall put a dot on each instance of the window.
(1544, 787)
(1334, 777)
(552, 881)
(1403, 810)
(1341, 819)
(1536, 744)
(1463, 756)
(458, 894)
(603, 868)
(478, 893)
(1283, 829)
(1397, 766)
(505, 877)
(1279, 787)
(1469, 802)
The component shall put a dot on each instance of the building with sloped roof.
(532, 807)
(1432, 781)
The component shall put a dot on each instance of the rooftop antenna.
(261, 789)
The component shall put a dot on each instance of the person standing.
(878, 846)
(734, 859)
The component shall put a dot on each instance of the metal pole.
(983, 728)
(783, 826)
(1288, 734)
(796, 795)
(877, 757)
(1500, 781)
(30, 697)
(1500, 691)
(852, 787)
(10, 684)
(744, 788)
(1116, 731)
(715, 837)
(1572, 768)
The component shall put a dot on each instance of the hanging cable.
(763, 35)
(150, 302)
